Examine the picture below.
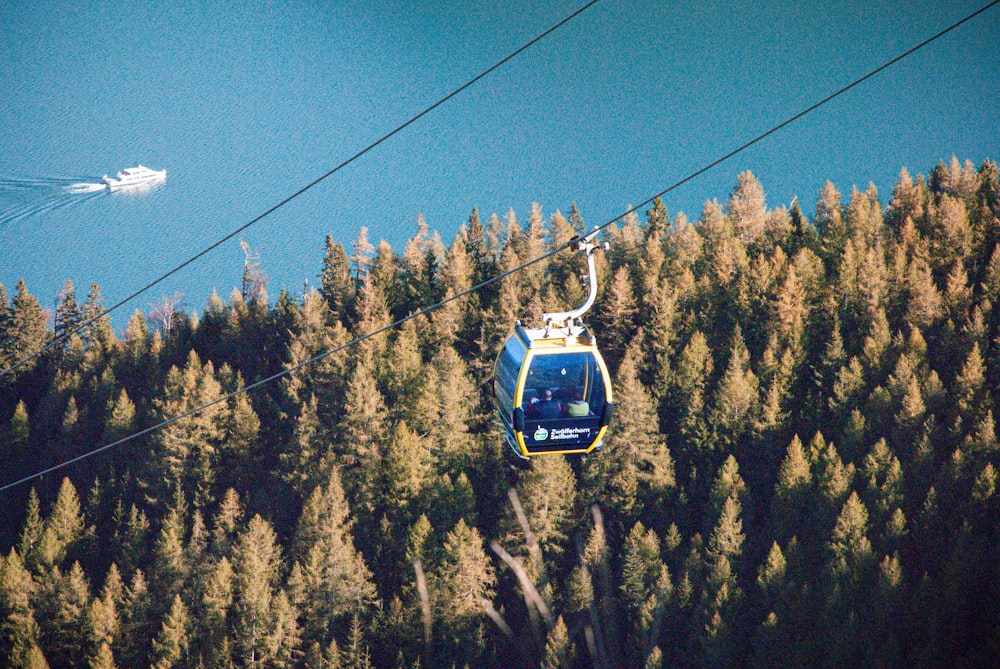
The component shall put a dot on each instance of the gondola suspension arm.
(565, 319)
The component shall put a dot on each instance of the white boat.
(134, 176)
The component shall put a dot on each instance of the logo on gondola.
(541, 434)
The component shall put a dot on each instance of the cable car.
(551, 387)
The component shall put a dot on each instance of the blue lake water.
(242, 110)
(244, 105)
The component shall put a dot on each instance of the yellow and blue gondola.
(552, 391)
(550, 385)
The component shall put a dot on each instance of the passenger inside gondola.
(577, 406)
(547, 407)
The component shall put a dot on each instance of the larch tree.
(830, 224)
(646, 588)
(63, 617)
(185, 453)
(170, 647)
(736, 397)
(19, 631)
(28, 331)
(689, 396)
(791, 501)
(64, 526)
(256, 564)
(335, 282)
(331, 578)
(359, 448)
(557, 647)
(547, 492)
(747, 208)
(463, 580)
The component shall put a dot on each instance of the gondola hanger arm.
(565, 319)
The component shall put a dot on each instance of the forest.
(801, 470)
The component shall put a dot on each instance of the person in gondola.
(548, 407)
(577, 406)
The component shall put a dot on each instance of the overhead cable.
(62, 337)
(502, 275)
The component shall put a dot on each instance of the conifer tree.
(407, 468)
(19, 631)
(332, 578)
(790, 505)
(691, 387)
(170, 565)
(136, 618)
(63, 527)
(32, 528)
(635, 451)
(216, 602)
(103, 619)
(63, 617)
(185, 452)
(556, 647)
(170, 648)
(28, 332)
(359, 447)
(747, 209)
(256, 560)
(618, 318)
(830, 224)
(464, 579)
(104, 658)
(547, 493)
(335, 282)
(736, 398)
(69, 315)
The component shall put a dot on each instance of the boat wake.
(24, 198)
(81, 188)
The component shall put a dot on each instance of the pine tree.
(464, 578)
(335, 282)
(170, 648)
(19, 631)
(556, 647)
(256, 560)
(790, 505)
(547, 493)
(747, 209)
(63, 617)
(28, 332)
(333, 578)
(63, 527)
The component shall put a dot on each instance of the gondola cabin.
(552, 391)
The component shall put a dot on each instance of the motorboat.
(134, 176)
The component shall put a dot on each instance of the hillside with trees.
(801, 471)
